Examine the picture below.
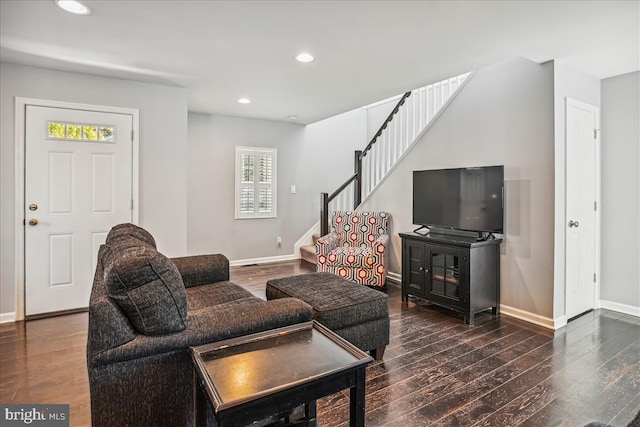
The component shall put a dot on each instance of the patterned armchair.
(356, 248)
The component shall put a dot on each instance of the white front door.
(581, 136)
(78, 184)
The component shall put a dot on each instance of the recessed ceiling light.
(292, 117)
(244, 101)
(304, 57)
(73, 6)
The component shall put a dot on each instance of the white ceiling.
(365, 50)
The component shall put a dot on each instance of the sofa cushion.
(146, 285)
(214, 294)
(130, 230)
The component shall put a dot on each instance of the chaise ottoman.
(355, 312)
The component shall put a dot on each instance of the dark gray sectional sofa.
(144, 313)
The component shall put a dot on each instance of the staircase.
(412, 116)
(308, 253)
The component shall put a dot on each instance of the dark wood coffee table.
(249, 378)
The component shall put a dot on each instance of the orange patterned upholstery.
(356, 247)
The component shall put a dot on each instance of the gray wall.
(163, 152)
(620, 136)
(574, 84)
(314, 158)
(503, 116)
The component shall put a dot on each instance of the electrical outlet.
(279, 240)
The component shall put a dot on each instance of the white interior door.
(78, 184)
(581, 137)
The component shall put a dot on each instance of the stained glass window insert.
(105, 134)
(90, 133)
(80, 132)
(56, 130)
(74, 131)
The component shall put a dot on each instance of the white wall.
(163, 152)
(504, 115)
(315, 158)
(377, 114)
(574, 84)
(620, 277)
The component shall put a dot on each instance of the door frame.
(597, 158)
(20, 167)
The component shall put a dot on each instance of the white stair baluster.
(387, 152)
(369, 172)
(383, 156)
(394, 141)
(401, 125)
(423, 106)
(414, 116)
(374, 166)
(379, 160)
(430, 103)
(406, 129)
(365, 176)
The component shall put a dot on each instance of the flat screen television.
(470, 199)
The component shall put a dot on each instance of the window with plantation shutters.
(255, 182)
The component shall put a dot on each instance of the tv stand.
(461, 273)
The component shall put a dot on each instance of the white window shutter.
(255, 182)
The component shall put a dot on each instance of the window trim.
(255, 151)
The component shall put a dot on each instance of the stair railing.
(356, 178)
(398, 132)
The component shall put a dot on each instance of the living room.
(508, 113)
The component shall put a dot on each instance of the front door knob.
(573, 223)
(33, 221)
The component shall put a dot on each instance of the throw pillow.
(130, 230)
(146, 285)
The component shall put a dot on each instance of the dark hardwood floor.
(436, 370)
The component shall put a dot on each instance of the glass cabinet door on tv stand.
(444, 275)
(457, 273)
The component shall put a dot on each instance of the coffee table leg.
(310, 411)
(199, 404)
(356, 401)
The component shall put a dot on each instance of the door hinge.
(595, 206)
(595, 133)
(131, 135)
(131, 204)
(594, 277)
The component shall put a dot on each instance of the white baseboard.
(620, 308)
(264, 260)
(560, 322)
(7, 317)
(394, 277)
(536, 319)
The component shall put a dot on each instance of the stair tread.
(308, 253)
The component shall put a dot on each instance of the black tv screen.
(465, 198)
